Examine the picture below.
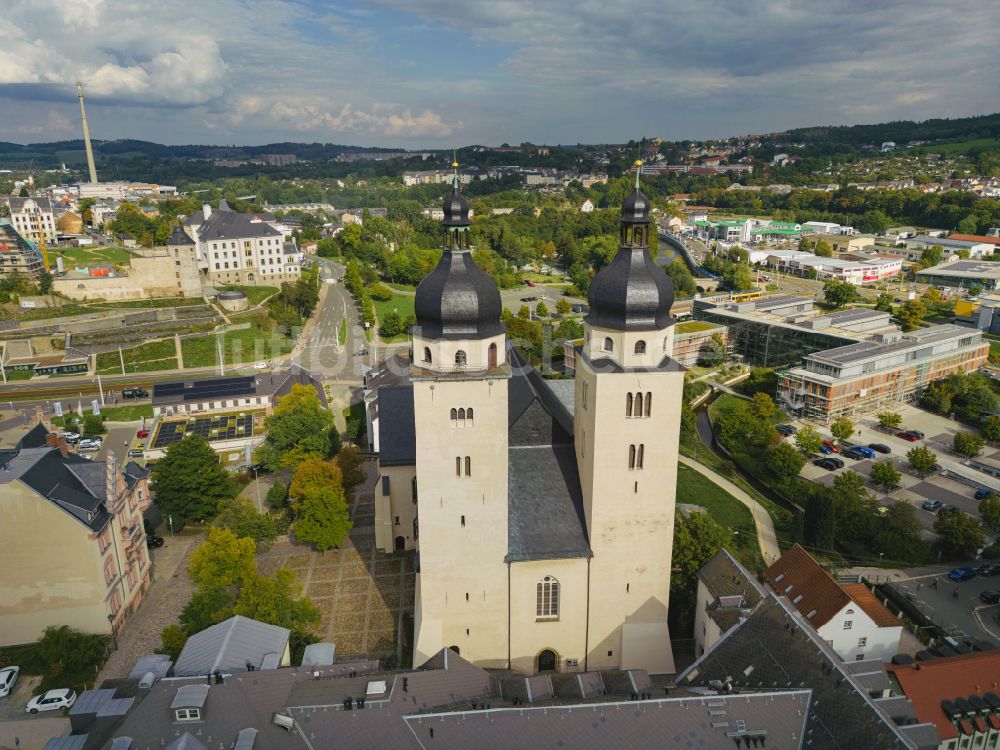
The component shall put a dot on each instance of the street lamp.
(880, 554)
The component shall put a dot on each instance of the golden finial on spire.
(638, 169)
(454, 165)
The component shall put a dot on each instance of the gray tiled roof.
(186, 741)
(229, 646)
(724, 576)
(190, 696)
(158, 664)
(775, 649)
(71, 742)
(318, 654)
(17, 204)
(229, 225)
(397, 436)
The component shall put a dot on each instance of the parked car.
(529, 299)
(142, 434)
(153, 541)
(135, 393)
(786, 429)
(8, 676)
(918, 433)
(911, 436)
(361, 353)
(89, 444)
(834, 448)
(983, 492)
(880, 447)
(990, 597)
(71, 438)
(947, 509)
(858, 452)
(932, 505)
(529, 283)
(137, 453)
(830, 464)
(962, 574)
(52, 701)
(989, 569)
(825, 450)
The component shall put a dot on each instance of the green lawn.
(400, 287)
(255, 294)
(143, 304)
(961, 146)
(129, 413)
(20, 375)
(402, 303)
(153, 353)
(246, 345)
(696, 489)
(74, 257)
(690, 326)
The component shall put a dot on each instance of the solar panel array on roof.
(220, 427)
(205, 389)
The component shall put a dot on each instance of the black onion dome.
(457, 300)
(179, 237)
(456, 210)
(635, 209)
(632, 293)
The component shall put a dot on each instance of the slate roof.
(17, 204)
(397, 434)
(229, 646)
(796, 573)
(457, 300)
(226, 224)
(775, 649)
(724, 576)
(179, 237)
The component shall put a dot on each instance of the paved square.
(362, 594)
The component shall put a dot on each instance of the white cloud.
(383, 119)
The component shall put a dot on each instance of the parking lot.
(964, 616)
(913, 489)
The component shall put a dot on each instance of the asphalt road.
(321, 352)
(962, 615)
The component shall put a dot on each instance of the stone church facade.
(543, 524)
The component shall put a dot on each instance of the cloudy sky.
(442, 72)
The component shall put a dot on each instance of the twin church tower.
(543, 516)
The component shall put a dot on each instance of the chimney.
(207, 210)
(52, 440)
(61, 445)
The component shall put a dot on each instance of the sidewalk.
(767, 538)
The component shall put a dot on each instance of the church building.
(543, 522)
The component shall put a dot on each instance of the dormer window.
(187, 714)
(189, 702)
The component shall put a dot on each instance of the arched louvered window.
(468, 413)
(460, 358)
(427, 354)
(491, 357)
(637, 408)
(454, 414)
(461, 414)
(631, 456)
(649, 403)
(609, 345)
(628, 404)
(639, 456)
(640, 347)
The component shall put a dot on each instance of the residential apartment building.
(847, 616)
(244, 249)
(73, 544)
(869, 375)
(17, 255)
(33, 218)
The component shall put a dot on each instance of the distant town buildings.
(17, 255)
(962, 274)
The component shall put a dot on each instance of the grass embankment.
(155, 355)
(695, 489)
(245, 345)
(255, 294)
(147, 304)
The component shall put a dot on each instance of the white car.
(52, 701)
(88, 444)
(260, 366)
(8, 676)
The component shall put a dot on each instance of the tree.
(172, 640)
(991, 429)
(961, 534)
(189, 481)
(323, 519)
(697, 539)
(277, 495)
(808, 440)
(890, 419)
(541, 310)
(222, 561)
(842, 428)
(884, 302)
(823, 248)
(910, 314)
(392, 324)
(206, 608)
(241, 517)
(93, 424)
(819, 521)
(763, 406)
(839, 293)
(784, 461)
(311, 476)
(297, 429)
(680, 275)
(921, 458)
(61, 649)
(885, 474)
(968, 225)
(563, 306)
(351, 466)
(968, 444)
(937, 398)
(277, 601)
(989, 509)
(44, 282)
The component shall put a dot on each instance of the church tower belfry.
(460, 374)
(626, 430)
